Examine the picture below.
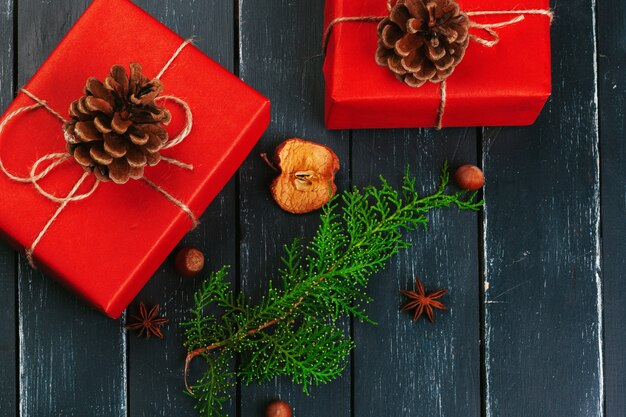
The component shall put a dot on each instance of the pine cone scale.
(153, 144)
(136, 158)
(413, 25)
(435, 52)
(117, 128)
(103, 125)
(86, 131)
(413, 62)
(153, 159)
(118, 73)
(390, 35)
(101, 173)
(415, 8)
(81, 154)
(97, 89)
(119, 171)
(115, 146)
(138, 138)
(423, 40)
(407, 44)
(76, 113)
(94, 104)
(134, 82)
(99, 155)
(395, 65)
(443, 64)
(80, 106)
(120, 124)
(400, 15)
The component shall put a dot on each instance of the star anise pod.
(422, 302)
(147, 322)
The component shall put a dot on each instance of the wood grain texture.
(612, 89)
(541, 243)
(281, 57)
(72, 358)
(415, 368)
(155, 382)
(8, 319)
(539, 287)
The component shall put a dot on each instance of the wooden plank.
(407, 368)
(612, 89)
(8, 319)
(541, 243)
(155, 383)
(280, 56)
(72, 358)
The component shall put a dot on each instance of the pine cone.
(116, 128)
(423, 40)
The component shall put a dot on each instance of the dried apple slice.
(307, 175)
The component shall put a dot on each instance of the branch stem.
(199, 351)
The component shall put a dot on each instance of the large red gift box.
(504, 85)
(108, 245)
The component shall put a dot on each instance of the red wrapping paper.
(105, 248)
(505, 85)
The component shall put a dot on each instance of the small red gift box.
(506, 84)
(106, 247)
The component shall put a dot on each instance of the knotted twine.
(59, 158)
(487, 42)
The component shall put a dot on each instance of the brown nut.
(278, 409)
(189, 261)
(469, 177)
(307, 175)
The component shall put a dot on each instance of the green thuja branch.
(293, 330)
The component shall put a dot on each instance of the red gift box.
(106, 247)
(507, 84)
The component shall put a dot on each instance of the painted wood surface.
(8, 322)
(285, 65)
(543, 323)
(72, 360)
(155, 386)
(612, 98)
(524, 335)
(407, 368)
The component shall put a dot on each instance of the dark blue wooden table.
(537, 290)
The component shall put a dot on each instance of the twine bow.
(59, 158)
(488, 28)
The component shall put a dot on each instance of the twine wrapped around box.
(488, 41)
(59, 158)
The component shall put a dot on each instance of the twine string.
(543, 12)
(188, 116)
(169, 63)
(489, 28)
(60, 158)
(44, 104)
(66, 201)
(177, 163)
(6, 120)
(174, 200)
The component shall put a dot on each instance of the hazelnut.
(278, 409)
(469, 177)
(307, 175)
(189, 261)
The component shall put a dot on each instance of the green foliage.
(293, 330)
(212, 387)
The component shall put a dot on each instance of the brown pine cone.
(423, 40)
(116, 128)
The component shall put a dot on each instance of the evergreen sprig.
(293, 330)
